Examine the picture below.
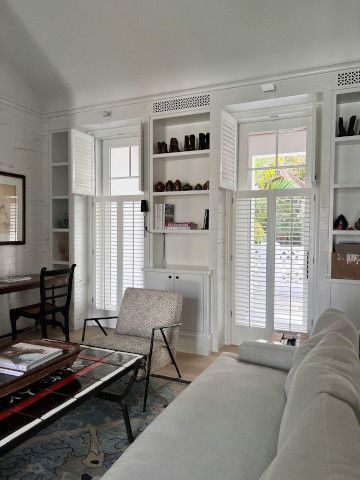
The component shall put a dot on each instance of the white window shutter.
(132, 245)
(229, 150)
(82, 154)
(106, 254)
(314, 150)
(141, 156)
(250, 262)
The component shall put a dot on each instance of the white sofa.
(270, 413)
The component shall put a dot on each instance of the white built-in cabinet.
(179, 260)
(195, 331)
(71, 166)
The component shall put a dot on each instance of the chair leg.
(43, 324)
(171, 354)
(13, 319)
(147, 380)
(66, 326)
(83, 332)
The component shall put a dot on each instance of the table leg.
(127, 422)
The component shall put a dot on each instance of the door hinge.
(230, 313)
(231, 257)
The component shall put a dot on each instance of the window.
(121, 167)
(272, 224)
(118, 225)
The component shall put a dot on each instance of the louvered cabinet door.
(229, 152)
(82, 155)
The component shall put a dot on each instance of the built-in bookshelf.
(178, 246)
(60, 199)
(345, 174)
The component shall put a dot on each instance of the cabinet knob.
(177, 278)
(169, 276)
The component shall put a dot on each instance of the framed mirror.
(12, 209)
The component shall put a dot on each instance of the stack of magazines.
(181, 226)
(19, 358)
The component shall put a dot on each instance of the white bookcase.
(345, 173)
(180, 259)
(61, 204)
(69, 244)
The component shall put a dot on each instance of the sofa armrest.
(270, 355)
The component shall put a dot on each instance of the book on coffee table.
(21, 357)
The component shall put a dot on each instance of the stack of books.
(181, 226)
(164, 214)
(19, 358)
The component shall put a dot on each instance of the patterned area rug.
(84, 444)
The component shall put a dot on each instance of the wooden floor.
(190, 365)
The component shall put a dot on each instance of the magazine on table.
(21, 357)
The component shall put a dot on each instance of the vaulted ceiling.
(80, 52)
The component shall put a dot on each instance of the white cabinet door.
(160, 280)
(192, 288)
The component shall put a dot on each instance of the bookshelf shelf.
(181, 193)
(179, 231)
(194, 153)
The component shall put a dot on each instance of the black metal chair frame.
(148, 356)
(45, 297)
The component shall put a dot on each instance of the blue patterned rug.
(84, 444)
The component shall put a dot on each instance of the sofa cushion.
(331, 367)
(323, 445)
(222, 426)
(143, 309)
(330, 320)
(266, 354)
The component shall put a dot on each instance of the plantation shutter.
(292, 253)
(82, 154)
(229, 148)
(140, 134)
(250, 262)
(132, 245)
(271, 261)
(106, 254)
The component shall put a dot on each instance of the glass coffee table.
(30, 408)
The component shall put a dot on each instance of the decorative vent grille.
(181, 103)
(351, 77)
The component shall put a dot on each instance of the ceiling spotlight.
(268, 87)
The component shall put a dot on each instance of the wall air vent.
(348, 78)
(183, 103)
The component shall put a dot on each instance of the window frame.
(106, 145)
(244, 177)
(244, 168)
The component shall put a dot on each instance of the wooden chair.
(54, 284)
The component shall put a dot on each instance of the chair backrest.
(55, 284)
(143, 309)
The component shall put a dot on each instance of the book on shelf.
(19, 358)
(206, 219)
(181, 226)
(164, 212)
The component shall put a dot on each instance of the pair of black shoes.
(204, 141)
(350, 131)
(189, 143)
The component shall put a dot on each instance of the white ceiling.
(80, 52)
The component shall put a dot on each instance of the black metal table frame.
(96, 391)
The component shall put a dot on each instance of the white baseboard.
(199, 344)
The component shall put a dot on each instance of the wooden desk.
(34, 282)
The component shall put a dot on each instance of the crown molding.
(202, 89)
(20, 106)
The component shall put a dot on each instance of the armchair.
(148, 324)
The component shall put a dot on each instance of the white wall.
(21, 152)
(321, 83)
